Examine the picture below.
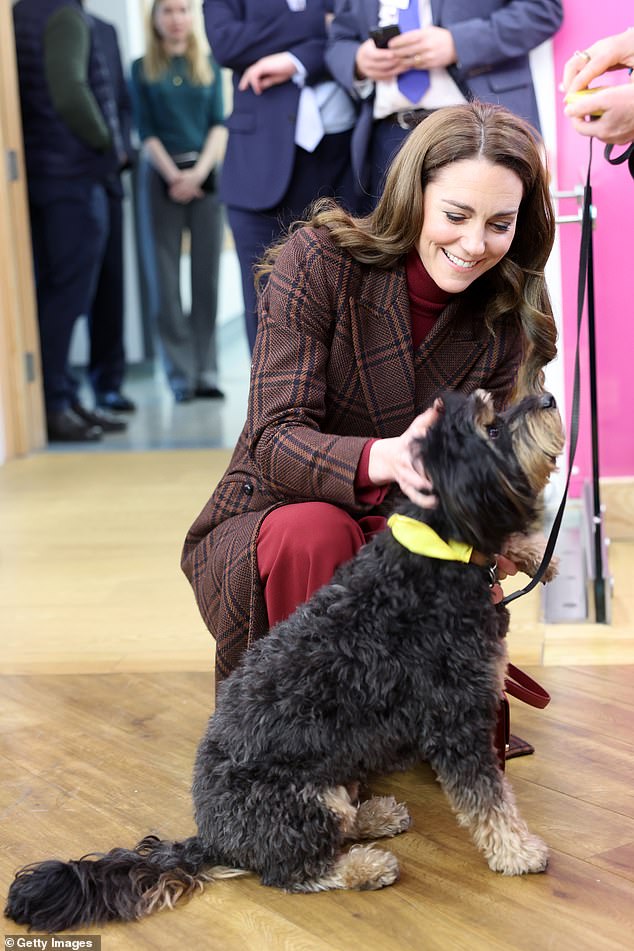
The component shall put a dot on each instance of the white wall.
(543, 72)
(127, 16)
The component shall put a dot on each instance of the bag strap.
(524, 688)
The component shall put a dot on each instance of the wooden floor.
(106, 686)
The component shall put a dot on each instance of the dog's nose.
(548, 401)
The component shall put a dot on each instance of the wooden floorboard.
(90, 580)
(90, 548)
(93, 761)
(106, 685)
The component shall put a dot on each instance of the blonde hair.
(156, 61)
(515, 288)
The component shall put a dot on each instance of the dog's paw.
(374, 868)
(530, 855)
(552, 571)
(527, 551)
(362, 868)
(380, 817)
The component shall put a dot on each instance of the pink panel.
(613, 196)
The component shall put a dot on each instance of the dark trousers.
(326, 171)
(69, 227)
(188, 341)
(107, 353)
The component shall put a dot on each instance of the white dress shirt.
(388, 98)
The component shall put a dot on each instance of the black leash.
(626, 156)
(585, 279)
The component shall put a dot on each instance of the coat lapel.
(381, 330)
(397, 384)
(448, 353)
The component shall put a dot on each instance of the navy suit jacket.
(106, 35)
(492, 38)
(260, 153)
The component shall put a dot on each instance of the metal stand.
(599, 581)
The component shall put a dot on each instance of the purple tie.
(415, 82)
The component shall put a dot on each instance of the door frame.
(22, 425)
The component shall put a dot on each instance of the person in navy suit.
(107, 351)
(290, 129)
(457, 50)
(72, 147)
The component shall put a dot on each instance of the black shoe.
(115, 401)
(97, 417)
(67, 426)
(209, 393)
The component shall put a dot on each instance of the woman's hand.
(266, 72)
(615, 108)
(394, 460)
(613, 52)
(186, 186)
(611, 108)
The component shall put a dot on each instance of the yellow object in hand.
(575, 96)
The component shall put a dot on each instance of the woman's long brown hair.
(515, 287)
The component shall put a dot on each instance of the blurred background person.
(289, 132)
(72, 145)
(107, 360)
(178, 106)
(439, 54)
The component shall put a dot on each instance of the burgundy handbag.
(519, 685)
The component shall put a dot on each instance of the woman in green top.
(177, 96)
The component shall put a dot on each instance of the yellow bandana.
(423, 540)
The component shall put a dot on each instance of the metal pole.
(597, 514)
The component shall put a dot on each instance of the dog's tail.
(123, 885)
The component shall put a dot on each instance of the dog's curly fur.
(400, 659)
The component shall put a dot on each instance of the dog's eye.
(493, 432)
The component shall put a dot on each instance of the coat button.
(247, 488)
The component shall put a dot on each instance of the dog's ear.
(484, 411)
(482, 493)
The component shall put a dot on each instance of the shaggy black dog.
(400, 659)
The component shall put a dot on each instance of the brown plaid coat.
(333, 365)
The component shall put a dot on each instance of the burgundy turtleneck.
(426, 302)
(426, 299)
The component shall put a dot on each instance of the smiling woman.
(363, 323)
(470, 212)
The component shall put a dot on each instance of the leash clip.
(493, 573)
